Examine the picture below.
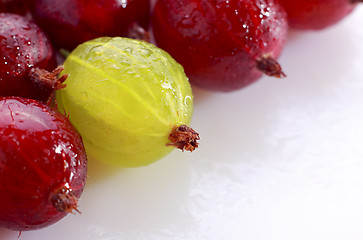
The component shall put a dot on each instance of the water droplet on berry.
(123, 3)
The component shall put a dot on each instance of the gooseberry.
(130, 101)
(222, 45)
(71, 22)
(43, 165)
(25, 57)
(317, 14)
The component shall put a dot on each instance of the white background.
(281, 159)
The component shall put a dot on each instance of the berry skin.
(129, 100)
(3, 7)
(43, 165)
(21, 7)
(71, 22)
(23, 49)
(317, 14)
(222, 45)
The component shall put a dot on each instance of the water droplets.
(122, 3)
(26, 27)
(265, 12)
(145, 52)
(188, 101)
(246, 27)
(166, 85)
(58, 149)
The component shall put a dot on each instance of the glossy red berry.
(23, 49)
(71, 22)
(317, 14)
(222, 45)
(43, 165)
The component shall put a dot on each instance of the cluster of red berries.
(43, 163)
(223, 45)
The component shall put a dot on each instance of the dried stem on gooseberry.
(269, 66)
(356, 1)
(64, 200)
(184, 138)
(48, 80)
(135, 31)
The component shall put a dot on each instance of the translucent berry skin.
(71, 22)
(219, 42)
(41, 154)
(125, 97)
(316, 14)
(23, 46)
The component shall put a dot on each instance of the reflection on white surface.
(281, 159)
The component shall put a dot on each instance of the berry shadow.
(201, 95)
(6, 234)
(98, 170)
(142, 198)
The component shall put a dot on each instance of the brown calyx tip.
(64, 200)
(184, 138)
(135, 31)
(46, 79)
(356, 1)
(269, 66)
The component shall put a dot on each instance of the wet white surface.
(280, 159)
